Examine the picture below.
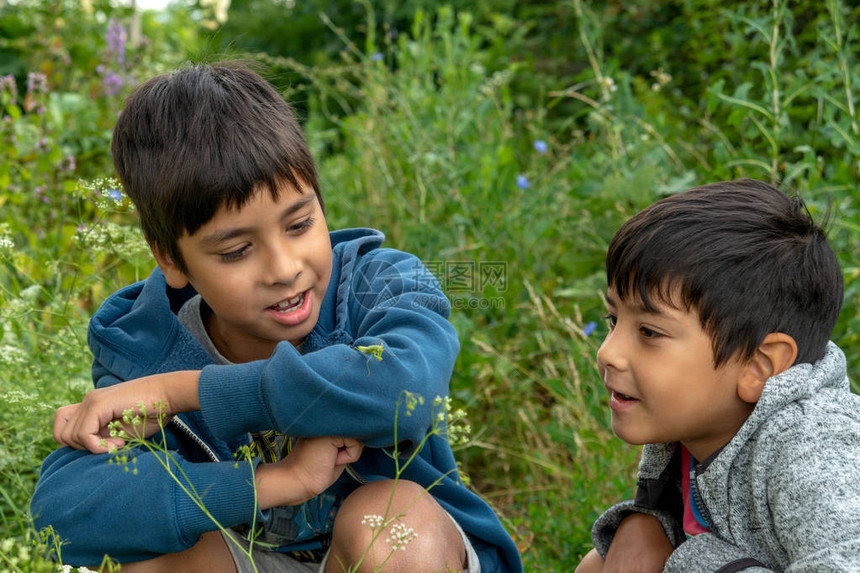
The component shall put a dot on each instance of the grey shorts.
(275, 562)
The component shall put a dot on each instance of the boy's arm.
(640, 545)
(640, 534)
(98, 508)
(338, 390)
(311, 467)
(391, 302)
(85, 425)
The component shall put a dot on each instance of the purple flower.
(523, 182)
(8, 84)
(67, 163)
(541, 146)
(114, 194)
(37, 82)
(40, 192)
(112, 83)
(589, 328)
(115, 38)
(376, 57)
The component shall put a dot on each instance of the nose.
(610, 354)
(283, 265)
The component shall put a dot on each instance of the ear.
(774, 355)
(175, 277)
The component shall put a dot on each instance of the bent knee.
(591, 563)
(398, 521)
(209, 555)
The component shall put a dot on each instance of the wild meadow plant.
(44, 363)
(136, 430)
(428, 136)
(64, 243)
(426, 132)
(44, 285)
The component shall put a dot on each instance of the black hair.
(748, 258)
(203, 137)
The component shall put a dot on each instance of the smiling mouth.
(290, 304)
(624, 397)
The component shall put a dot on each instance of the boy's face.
(663, 387)
(263, 269)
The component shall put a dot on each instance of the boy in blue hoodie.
(248, 331)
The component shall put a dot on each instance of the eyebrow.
(636, 306)
(218, 237)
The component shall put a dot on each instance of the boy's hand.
(312, 466)
(640, 545)
(85, 425)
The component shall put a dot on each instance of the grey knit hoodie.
(782, 495)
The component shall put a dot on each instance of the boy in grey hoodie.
(721, 301)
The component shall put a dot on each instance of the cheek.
(323, 256)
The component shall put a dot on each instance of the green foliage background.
(424, 121)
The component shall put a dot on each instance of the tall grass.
(428, 145)
(422, 138)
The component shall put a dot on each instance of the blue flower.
(589, 328)
(523, 182)
(376, 57)
(114, 194)
(541, 146)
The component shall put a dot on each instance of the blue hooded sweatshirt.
(331, 389)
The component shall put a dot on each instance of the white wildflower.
(608, 84)
(374, 521)
(401, 535)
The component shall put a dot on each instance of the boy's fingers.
(66, 426)
(349, 452)
(99, 445)
(61, 421)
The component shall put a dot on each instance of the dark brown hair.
(744, 255)
(201, 137)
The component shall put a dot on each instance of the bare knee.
(396, 525)
(209, 555)
(591, 563)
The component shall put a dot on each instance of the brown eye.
(648, 333)
(233, 255)
(304, 225)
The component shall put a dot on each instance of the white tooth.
(290, 302)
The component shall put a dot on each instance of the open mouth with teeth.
(290, 304)
(624, 397)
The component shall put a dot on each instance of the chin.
(631, 438)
